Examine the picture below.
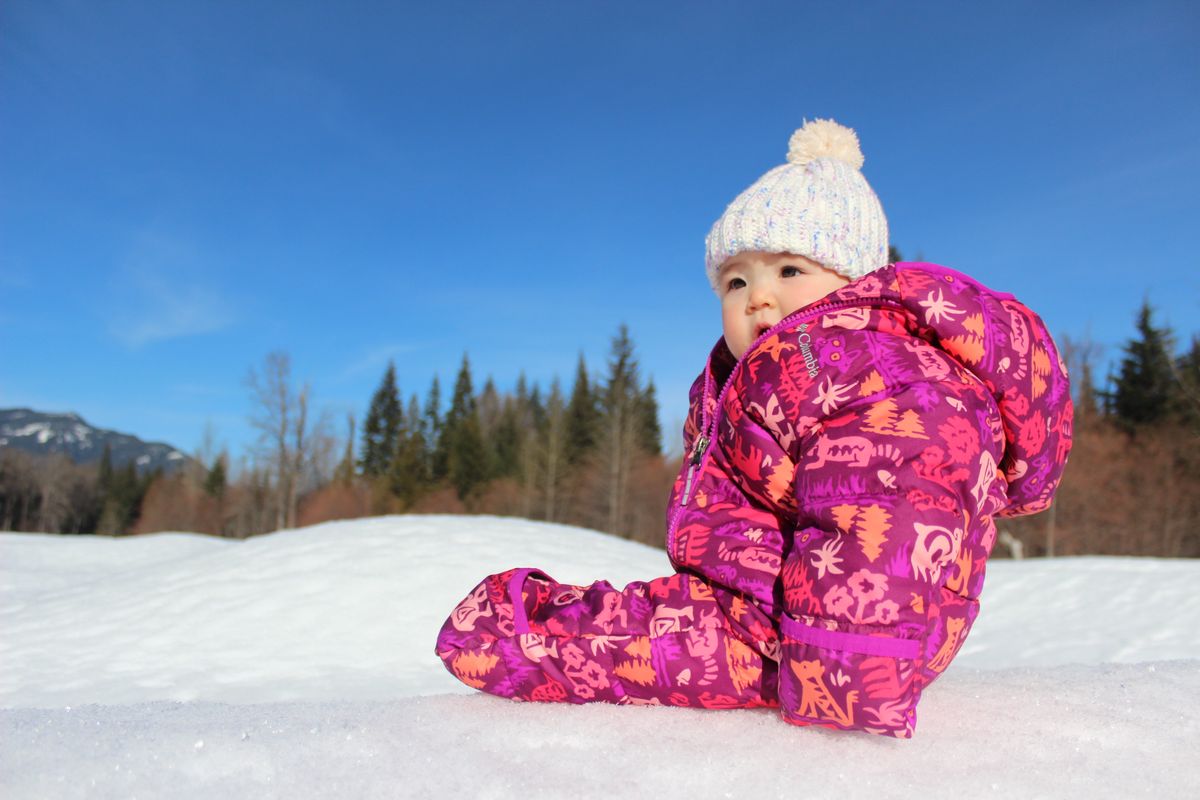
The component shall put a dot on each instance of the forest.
(593, 456)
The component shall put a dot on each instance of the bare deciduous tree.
(296, 449)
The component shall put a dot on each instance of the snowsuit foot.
(665, 641)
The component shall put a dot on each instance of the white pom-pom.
(824, 138)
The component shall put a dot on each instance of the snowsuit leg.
(521, 634)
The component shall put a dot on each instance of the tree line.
(1132, 482)
(593, 457)
(585, 457)
(590, 457)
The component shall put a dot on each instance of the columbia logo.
(806, 350)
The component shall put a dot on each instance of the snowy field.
(301, 665)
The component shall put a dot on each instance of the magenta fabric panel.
(515, 585)
(849, 642)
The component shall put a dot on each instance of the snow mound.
(1096, 731)
(305, 663)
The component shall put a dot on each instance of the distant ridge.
(45, 434)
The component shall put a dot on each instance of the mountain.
(43, 434)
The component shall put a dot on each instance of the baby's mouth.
(760, 329)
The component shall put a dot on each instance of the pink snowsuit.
(829, 528)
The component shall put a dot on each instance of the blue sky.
(185, 187)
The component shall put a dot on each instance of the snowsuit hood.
(1007, 346)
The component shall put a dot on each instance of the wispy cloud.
(376, 359)
(1137, 177)
(13, 277)
(200, 390)
(162, 296)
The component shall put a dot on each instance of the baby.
(850, 442)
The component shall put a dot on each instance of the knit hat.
(818, 205)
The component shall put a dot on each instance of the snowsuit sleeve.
(520, 634)
(880, 586)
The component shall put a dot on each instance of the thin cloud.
(1143, 176)
(165, 300)
(376, 359)
(11, 279)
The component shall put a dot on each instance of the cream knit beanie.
(818, 205)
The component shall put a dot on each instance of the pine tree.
(408, 477)
(535, 408)
(649, 431)
(215, 480)
(124, 501)
(104, 476)
(488, 409)
(487, 406)
(465, 460)
(417, 440)
(1185, 400)
(894, 254)
(1144, 386)
(506, 441)
(1088, 406)
(552, 450)
(582, 417)
(345, 469)
(621, 429)
(435, 441)
(382, 426)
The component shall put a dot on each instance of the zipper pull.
(693, 462)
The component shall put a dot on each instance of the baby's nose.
(760, 299)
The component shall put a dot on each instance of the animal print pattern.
(830, 526)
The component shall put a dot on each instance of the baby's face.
(759, 289)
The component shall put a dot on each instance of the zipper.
(700, 450)
(693, 462)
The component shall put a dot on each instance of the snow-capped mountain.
(44, 434)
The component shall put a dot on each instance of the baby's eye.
(790, 272)
(734, 283)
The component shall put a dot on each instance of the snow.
(45, 431)
(301, 664)
(41, 430)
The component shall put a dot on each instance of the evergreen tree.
(1144, 386)
(104, 477)
(416, 433)
(488, 409)
(536, 409)
(465, 459)
(649, 431)
(582, 417)
(382, 426)
(553, 452)
(1088, 407)
(435, 441)
(408, 477)
(215, 480)
(345, 469)
(123, 504)
(622, 427)
(894, 254)
(1185, 400)
(506, 441)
